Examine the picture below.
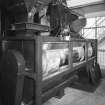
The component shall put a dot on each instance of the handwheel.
(12, 64)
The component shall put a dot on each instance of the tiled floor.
(79, 97)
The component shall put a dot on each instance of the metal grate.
(96, 30)
(101, 57)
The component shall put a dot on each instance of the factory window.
(95, 29)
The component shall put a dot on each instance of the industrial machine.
(35, 67)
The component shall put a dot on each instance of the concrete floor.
(79, 97)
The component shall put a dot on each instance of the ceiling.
(87, 8)
(78, 3)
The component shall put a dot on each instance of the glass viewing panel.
(78, 51)
(55, 57)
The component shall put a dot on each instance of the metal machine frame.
(70, 71)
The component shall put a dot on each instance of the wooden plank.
(96, 48)
(78, 40)
(86, 58)
(56, 76)
(78, 65)
(38, 71)
(57, 73)
(50, 39)
(30, 26)
(46, 39)
(71, 55)
(92, 58)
